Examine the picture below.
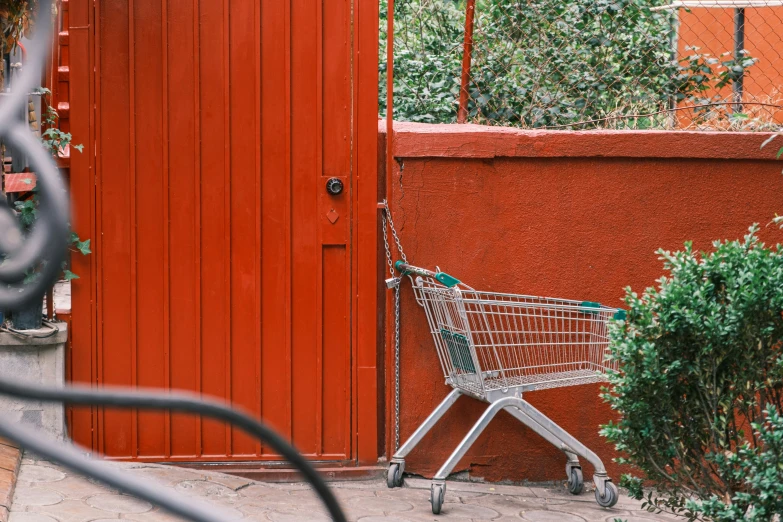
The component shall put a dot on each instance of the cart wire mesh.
(490, 341)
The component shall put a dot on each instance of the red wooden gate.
(221, 263)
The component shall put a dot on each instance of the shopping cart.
(494, 347)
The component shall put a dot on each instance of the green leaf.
(84, 247)
(69, 275)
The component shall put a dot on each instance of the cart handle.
(442, 277)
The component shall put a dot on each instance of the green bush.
(427, 59)
(700, 387)
(539, 63)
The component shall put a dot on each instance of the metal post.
(674, 42)
(467, 51)
(739, 47)
(389, 90)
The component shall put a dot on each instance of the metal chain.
(394, 282)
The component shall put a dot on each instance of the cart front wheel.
(575, 481)
(610, 496)
(394, 475)
(436, 497)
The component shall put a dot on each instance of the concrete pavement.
(48, 493)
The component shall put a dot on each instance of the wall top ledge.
(423, 140)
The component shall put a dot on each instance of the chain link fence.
(586, 64)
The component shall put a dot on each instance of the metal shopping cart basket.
(494, 347)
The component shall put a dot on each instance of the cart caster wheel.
(575, 481)
(436, 498)
(394, 476)
(609, 497)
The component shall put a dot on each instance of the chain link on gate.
(394, 282)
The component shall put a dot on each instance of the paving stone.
(71, 511)
(549, 516)
(118, 503)
(295, 515)
(156, 515)
(230, 481)
(167, 475)
(469, 511)
(76, 488)
(379, 505)
(504, 504)
(38, 473)
(375, 518)
(642, 516)
(473, 487)
(21, 516)
(590, 511)
(649, 517)
(36, 496)
(207, 490)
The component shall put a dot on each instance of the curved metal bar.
(183, 402)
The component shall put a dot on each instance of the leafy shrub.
(701, 363)
(539, 63)
(427, 59)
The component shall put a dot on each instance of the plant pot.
(29, 317)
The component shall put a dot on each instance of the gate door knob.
(334, 186)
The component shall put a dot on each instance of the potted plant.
(56, 142)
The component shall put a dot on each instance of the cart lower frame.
(508, 398)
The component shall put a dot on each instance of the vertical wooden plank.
(275, 193)
(97, 273)
(365, 238)
(151, 223)
(227, 246)
(244, 262)
(259, 211)
(214, 262)
(115, 254)
(335, 117)
(336, 113)
(183, 251)
(336, 350)
(82, 184)
(304, 233)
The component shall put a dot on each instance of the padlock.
(392, 282)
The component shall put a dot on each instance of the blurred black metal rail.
(42, 250)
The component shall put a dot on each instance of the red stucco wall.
(576, 215)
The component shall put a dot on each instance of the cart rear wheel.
(394, 475)
(609, 497)
(436, 498)
(575, 481)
